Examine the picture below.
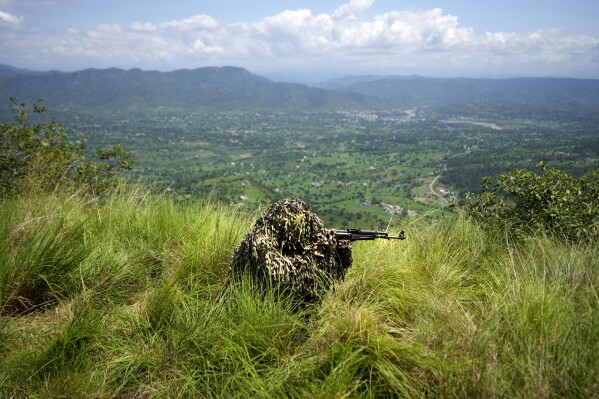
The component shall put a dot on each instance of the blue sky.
(308, 39)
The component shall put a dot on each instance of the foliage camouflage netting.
(289, 249)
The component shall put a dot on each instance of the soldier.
(289, 249)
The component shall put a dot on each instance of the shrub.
(553, 202)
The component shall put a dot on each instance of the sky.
(311, 39)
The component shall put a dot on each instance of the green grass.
(124, 298)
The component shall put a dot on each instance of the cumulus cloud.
(344, 38)
(197, 22)
(194, 23)
(354, 9)
(9, 21)
(144, 26)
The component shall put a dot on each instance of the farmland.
(358, 167)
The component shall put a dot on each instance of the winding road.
(443, 200)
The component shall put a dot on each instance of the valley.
(356, 167)
(371, 153)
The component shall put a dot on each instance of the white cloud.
(344, 39)
(8, 20)
(201, 47)
(106, 31)
(144, 26)
(196, 22)
(354, 9)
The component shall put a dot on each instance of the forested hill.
(233, 88)
(221, 88)
(435, 91)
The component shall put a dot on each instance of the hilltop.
(124, 298)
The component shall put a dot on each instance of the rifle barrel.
(358, 235)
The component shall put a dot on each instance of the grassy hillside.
(123, 298)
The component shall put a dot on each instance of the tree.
(41, 157)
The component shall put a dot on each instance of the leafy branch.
(41, 157)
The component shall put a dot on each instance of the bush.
(554, 203)
(41, 157)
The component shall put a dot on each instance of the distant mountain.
(346, 81)
(11, 70)
(223, 88)
(232, 88)
(433, 91)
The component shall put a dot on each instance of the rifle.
(358, 235)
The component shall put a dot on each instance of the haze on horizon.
(310, 39)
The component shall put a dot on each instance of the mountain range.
(233, 88)
(436, 91)
(223, 88)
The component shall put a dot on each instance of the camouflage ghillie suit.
(289, 248)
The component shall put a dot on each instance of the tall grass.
(541, 327)
(42, 246)
(125, 298)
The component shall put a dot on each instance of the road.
(443, 200)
